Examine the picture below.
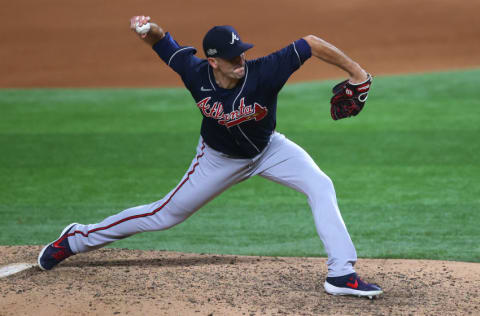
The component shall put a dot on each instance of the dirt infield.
(127, 282)
(88, 44)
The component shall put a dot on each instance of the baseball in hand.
(143, 29)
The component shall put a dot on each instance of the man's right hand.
(154, 35)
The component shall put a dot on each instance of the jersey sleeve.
(277, 67)
(180, 58)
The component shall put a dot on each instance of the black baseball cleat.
(57, 251)
(351, 284)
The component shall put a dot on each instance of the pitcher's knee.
(320, 184)
(172, 214)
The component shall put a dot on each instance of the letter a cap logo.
(234, 37)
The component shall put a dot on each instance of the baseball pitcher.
(238, 102)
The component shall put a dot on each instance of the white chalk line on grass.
(14, 268)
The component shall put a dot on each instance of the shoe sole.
(334, 290)
(66, 229)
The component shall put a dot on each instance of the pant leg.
(208, 175)
(287, 163)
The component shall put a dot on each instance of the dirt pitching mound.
(132, 282)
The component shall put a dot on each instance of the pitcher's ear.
(212, 62)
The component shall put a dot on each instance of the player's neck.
(223, 81)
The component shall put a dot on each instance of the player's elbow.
(317, 45)
(310, 39)
(313, 40)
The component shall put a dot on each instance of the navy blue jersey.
(237, 121)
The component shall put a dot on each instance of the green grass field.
(406, 170)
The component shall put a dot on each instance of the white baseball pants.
(211, 173)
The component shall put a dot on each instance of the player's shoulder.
(275, 53)
(293, 52)
(266, 60)
(200, 63)
(255, 66)
(197, 74)
(194, 64)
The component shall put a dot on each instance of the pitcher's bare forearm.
(332, 55)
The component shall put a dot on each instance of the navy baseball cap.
(223, 41)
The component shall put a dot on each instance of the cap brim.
(237, 51)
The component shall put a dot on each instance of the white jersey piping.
(210, 79)
(295, 48)
(178, 51)
(251, 143)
